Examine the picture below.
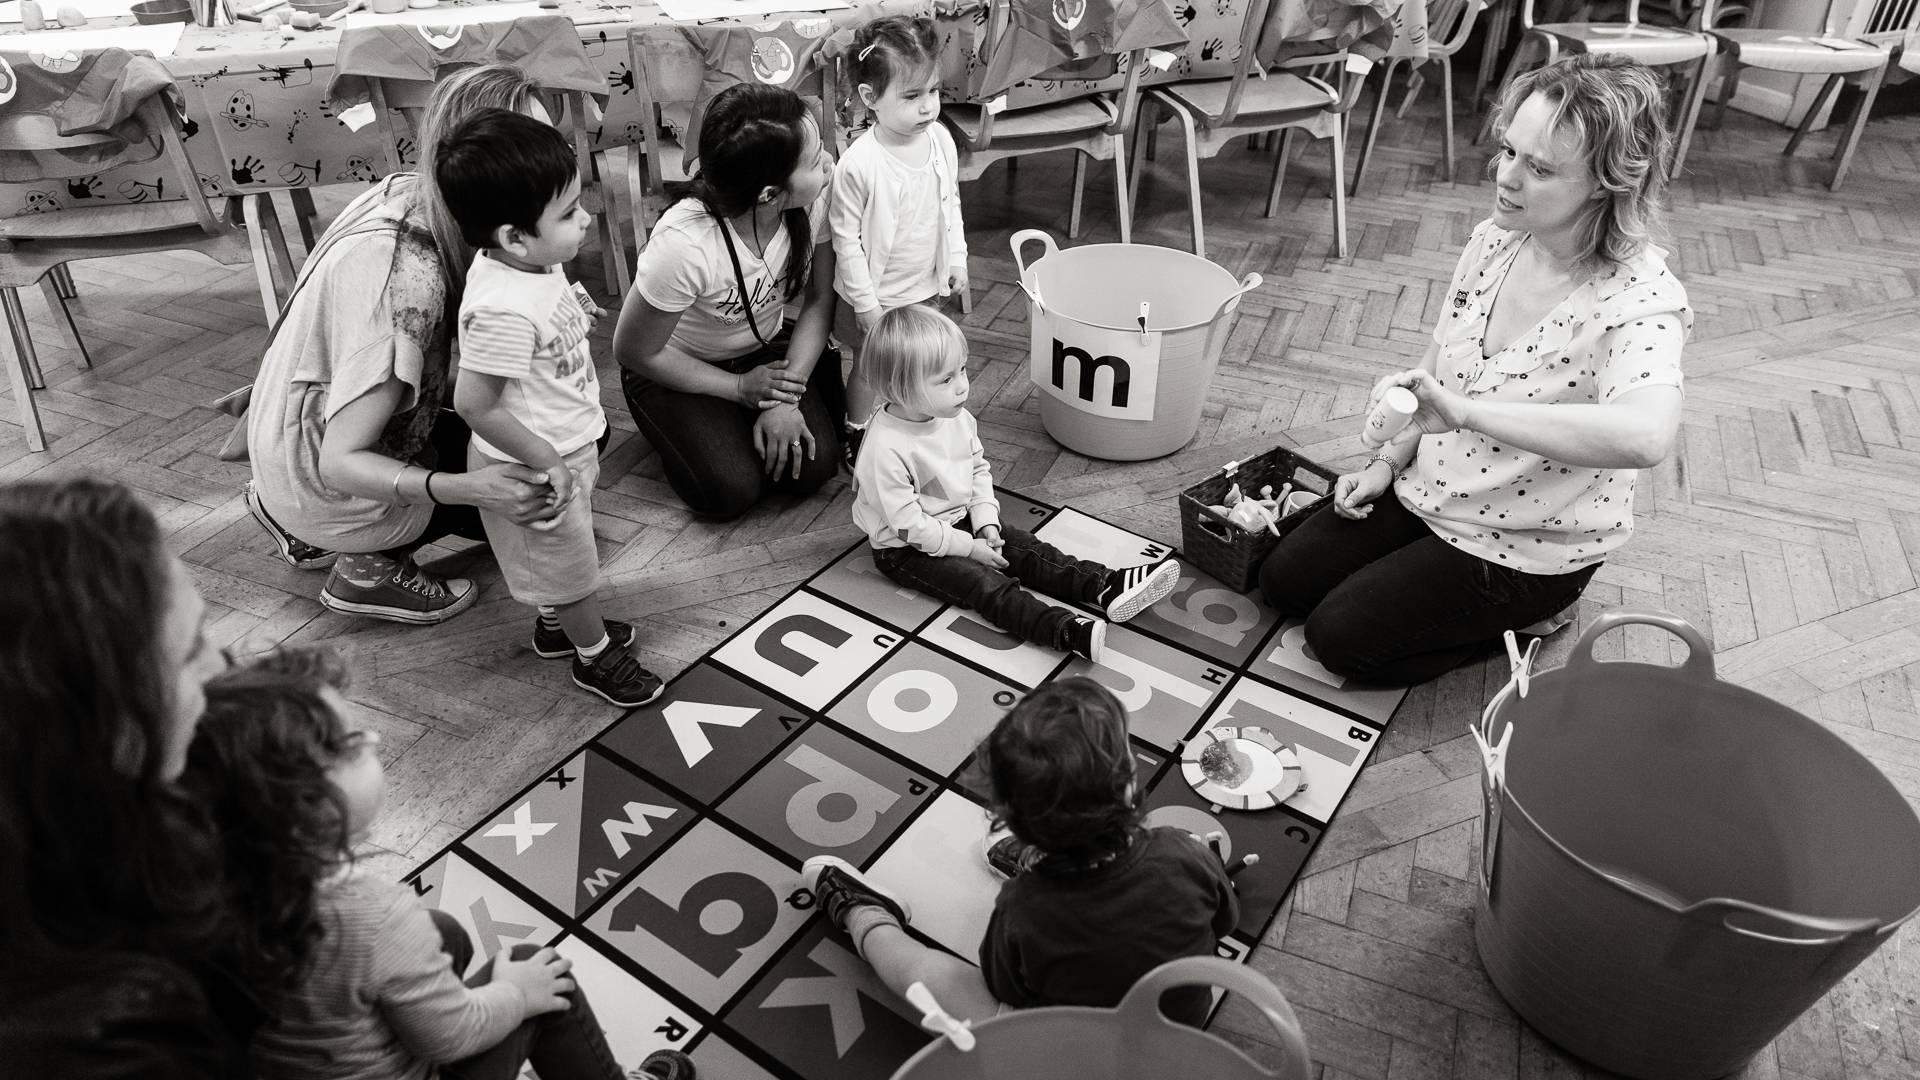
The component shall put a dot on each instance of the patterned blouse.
(1607, 338)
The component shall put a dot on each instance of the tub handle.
(1247, 285)
(1140, 1009)
(1019, 241)
(1699, 662)
(1832, 931)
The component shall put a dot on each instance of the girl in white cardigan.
(895, 210)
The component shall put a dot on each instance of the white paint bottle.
(1389, 415)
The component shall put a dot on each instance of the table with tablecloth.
(258, 115)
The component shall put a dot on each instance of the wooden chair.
(1655, 46)
(667, 77)
(35, 248)
(1094, 126)
(569, 111)
(1214, 112)
(1862, 52)
(1448, 24)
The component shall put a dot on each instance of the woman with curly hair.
(366, 987)
(112, 915)
(1553, 376)
(1094, 899)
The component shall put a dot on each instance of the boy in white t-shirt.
(527, 385)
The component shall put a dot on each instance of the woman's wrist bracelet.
(1393, 467)
(428, 485)
(398, 473)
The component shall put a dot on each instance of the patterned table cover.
(258, 119)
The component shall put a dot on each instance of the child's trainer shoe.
(1008, 856)
(841, 890)
(1135, 589)
(667, 1065)
(1087, 639)
(550, 642)
(616, 676)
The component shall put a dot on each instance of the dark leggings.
(706, 443)
(564, 1045)
(1387, 601)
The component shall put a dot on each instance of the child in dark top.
(1094, 899)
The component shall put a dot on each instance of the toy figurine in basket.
(1254, 515)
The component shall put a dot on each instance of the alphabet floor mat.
(663, 856)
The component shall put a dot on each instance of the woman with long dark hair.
(112, 913)
(737, 403)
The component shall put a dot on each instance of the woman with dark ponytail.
(738, 402)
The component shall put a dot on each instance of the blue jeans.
(1387, 601)
(997, 594)
(563, 1045)
(706, 443)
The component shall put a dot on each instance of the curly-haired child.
(1094, 899)
(282, 761)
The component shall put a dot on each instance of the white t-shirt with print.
(1517, 508)
(685, 268)
(531, 329)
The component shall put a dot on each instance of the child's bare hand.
(560, 488)
(957, 280)
(541, 978)
(987, 553)
(991, 534)
(868, 320)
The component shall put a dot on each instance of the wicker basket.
(1225, 550)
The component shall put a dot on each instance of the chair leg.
(1079, 194)
(1144, 122)
(63, 277)
(57, 306)
(1498, 21)
(262, 259)
(1339, 194)
(1689, 116)
(1446, 113)
(637, 195)
(277, 247)
(1373, 129)
(22, 393)
(1122, 204)
(22, 337)
(1729, 84)
(304, 215)
(1862, 111)
(1806, 122)
(1193, 179)
(1279, 177)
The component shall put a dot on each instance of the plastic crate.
(1225, 550)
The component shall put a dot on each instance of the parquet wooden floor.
(1786, 528)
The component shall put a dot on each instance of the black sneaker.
(1087, 639)
(839, 888)
(616, 676)
(296, 552)
(407, 594)
(667, 1065)
(1132, 591)
(850, 439)
(553, 644)
(1009, 856)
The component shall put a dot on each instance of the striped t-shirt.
(383, 999)
(531, 329)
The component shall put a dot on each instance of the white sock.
(590, 653)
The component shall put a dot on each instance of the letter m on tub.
(1112, 373)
